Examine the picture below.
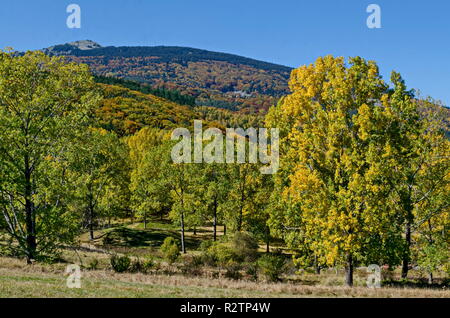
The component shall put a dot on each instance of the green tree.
(100, 175)
(44, 103)
(418, 154)
(148, 186)
(212, 190)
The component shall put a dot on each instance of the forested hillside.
(214, 79)
(126, 111)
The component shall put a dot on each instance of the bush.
(136, 266)
(192, 266)
(233, 271)
(252, 271)
(148, 265)
(271, 266)
(245, 247)
(93, 264)
(219, 254)
(170, 250)
(205, 245)
(120, 264)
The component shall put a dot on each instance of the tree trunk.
(145, 220)
(406, 256)
(195, 230)
(215, 221)
(91, 224)
(430, 278)
(91, 219)
(267, 239)
(349, 271)
(31, 244)
(183, 247)
(316, 265)
(224, 229)
(241, 217)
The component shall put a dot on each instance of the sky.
(414, 38)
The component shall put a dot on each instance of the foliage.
(44, 105)
(245, 247)
(125, 111)
(173, 96)
(271, 266)
(120, 264)
(170, 249)
(214, 79)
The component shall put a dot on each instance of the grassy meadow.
(98, 279)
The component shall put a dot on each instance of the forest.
(363, 178)
(185, 75)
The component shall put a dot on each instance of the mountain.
(214, 79)
(125, 111)
(72, 47)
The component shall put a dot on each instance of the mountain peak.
(70, 48)
(85, 45)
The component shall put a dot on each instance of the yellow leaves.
(302, 182)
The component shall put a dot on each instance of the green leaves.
(44, 105)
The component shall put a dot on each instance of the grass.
(41, 280)
(49, 280)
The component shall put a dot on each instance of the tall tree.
(99, 172)
(212, 190)
(148, 186)
(44, 103)
(327, 150)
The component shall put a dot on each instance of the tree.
(242, 189)
(212, 190)
(418, 154)
(182, 180)
(260, 207)
(100, 175)
(44, 103)
(328, 178)
(148, 187)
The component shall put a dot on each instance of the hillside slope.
(126, 111)
(214, 79)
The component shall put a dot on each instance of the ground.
(167, 280)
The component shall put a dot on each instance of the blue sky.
(414, 38)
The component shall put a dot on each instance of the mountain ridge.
(78, 48)
(216, 79)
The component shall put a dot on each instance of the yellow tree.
(324, 157)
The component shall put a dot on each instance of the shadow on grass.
(417, 283)
(126, 237)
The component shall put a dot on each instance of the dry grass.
(20, 280)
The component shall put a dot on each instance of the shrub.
(192, 266)
(120, 264)
(233, 271)
(219, 254)
(170, 250)
(245, 247)
(136, 266)
(93, 264)
(271, 266)
(148, 265)
(205, 245)
(252, 271)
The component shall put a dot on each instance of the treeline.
(171, 95)
(363, 179)
(173, 54)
